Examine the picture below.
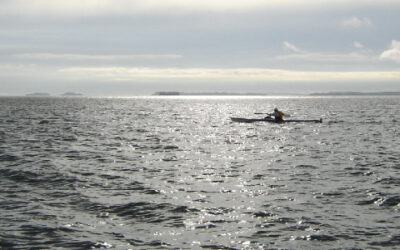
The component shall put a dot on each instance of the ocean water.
(176, 173)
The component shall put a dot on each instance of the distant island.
(352, 93)
(71, 94)
(38, 94)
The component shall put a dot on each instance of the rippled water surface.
(147, 173)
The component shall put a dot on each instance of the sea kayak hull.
(272, 120)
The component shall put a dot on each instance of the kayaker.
(278, 115)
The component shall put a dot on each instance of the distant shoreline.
(351, 93)
(67, 94)
(38, 94)
(177, 93)
(334, 93)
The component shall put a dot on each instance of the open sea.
(176, 173)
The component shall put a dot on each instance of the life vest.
(279, 115)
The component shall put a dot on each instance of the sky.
(138, 47)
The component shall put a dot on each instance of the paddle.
(270, 114)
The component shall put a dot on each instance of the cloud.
(27, 71)
(356, 22)
(392, 54)
(319, 57)
(62, 8)
(358, 45)
(218, 74)
(291, 47)
(298, 54)
(87, 57)
(127, 7)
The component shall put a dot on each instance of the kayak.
(249, 120)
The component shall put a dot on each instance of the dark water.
(148, 173)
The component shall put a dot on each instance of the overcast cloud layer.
(128, 47)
